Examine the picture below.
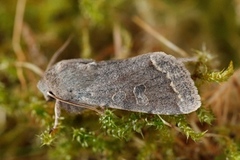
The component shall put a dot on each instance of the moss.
(25, 117)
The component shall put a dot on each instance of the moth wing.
(153, 83)
(181, 82)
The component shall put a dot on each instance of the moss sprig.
(205, 73)
(187, 130)
(219, 76)
(46, 138)
(205, 115)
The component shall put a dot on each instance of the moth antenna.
(82, 105)
(59, 51)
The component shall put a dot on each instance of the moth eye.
(50, 93)
(49, 96)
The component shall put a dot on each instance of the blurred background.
(32, 31)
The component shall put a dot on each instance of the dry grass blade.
(18, 23)
(224, 101)
(159, 37)
(31, 67)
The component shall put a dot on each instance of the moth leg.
(165, 122)
(102, 108)
(57, 112)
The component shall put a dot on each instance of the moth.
(154, 83)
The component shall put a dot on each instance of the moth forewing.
(154, 83)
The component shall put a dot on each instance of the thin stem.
(159, 37)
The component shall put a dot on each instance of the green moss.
(26, 118)
(205, 116)
(203, 69)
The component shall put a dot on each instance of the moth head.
(43, 87)
(50, 81)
